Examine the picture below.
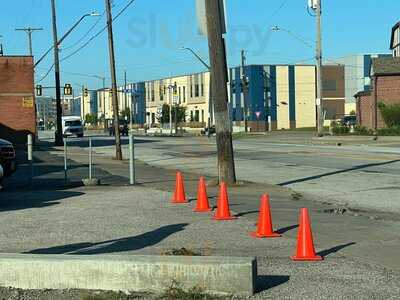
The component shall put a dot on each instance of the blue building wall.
(140, 111)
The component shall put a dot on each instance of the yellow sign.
(27, 102)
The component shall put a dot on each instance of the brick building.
(17, 102)
(385, 83)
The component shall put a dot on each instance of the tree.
(390, 114)
(126, 114)
(91, 119)
(163, 117)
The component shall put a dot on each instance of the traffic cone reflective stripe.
(179, 195)
(264, 226)
(305, 244)
(202, 203)
(223, 212)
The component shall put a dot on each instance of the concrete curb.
(217, 275)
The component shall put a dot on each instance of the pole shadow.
(117, 245)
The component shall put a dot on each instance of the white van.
(72, 126)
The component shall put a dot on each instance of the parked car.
(205, 130)
(7, 159)
(123, 128)
(72, 126)
(349, 121)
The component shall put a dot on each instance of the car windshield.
(73, 123)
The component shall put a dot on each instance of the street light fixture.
(210, 105)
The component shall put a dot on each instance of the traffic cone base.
(310, 258)
(230, 218)
(263, 236)
(202, 210)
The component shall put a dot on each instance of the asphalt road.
(359, 174)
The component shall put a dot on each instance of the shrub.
(390, 114)
(339, 129)
(392, 131)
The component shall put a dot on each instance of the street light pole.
(118, 151)
(245, 94)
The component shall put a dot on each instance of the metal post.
(65, 160)
(245, 94)
(170, 107)
(319, 72)
(30, 157)
(90, 158)
(132, 172)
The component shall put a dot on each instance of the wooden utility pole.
(59, 134)
(219, 77)
(118, 151)
(29, 32)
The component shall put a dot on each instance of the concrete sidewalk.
(139, 220)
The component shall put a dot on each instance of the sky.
(149, 33)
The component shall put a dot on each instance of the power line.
(98, 33)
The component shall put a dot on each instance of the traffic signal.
(68, 90)
(85, 92)
(39, 90)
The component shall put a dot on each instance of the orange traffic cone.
(179, 196)
(264, 227)
(202, 204)
(223, 212)
(305, 244)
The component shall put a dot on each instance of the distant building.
(17, 100)
(385, 81)
(385, 75)
(46, 110)
(357, 69)
(395, 40)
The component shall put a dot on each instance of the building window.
(184, 94)
(202, 85)
(152, 92)
(180, 95)
(197, 116)
(161, 93)
(330, 85)
(196, 86)
(202, 115)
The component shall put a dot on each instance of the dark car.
(7, 158)
(349, 121)
(123, 128)
(205, 130)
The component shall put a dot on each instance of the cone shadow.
(286, 229)
(335, 249)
